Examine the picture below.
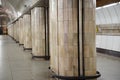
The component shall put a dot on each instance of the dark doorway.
(1, 30)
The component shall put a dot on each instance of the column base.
(17, 41)
(44, 57)
(12, 37)
(74, 77)
(21, 44)
(27, 48)
(108, 52)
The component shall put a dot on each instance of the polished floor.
(16, 64)
(109, 67)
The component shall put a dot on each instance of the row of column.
(69, 47)
(29, 31)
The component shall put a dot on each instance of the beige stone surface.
(27, 31)
(89, 37)
(21, 32)
(38, 31)
(14, 25)
(10, 30)
(17, 31)
(63, 37)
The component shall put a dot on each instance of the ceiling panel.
(105, 2)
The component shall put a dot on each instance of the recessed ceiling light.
(19, 14)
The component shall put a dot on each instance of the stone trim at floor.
(108, 52)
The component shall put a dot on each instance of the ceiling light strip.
(113, 4)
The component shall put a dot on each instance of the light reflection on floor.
(16, 64)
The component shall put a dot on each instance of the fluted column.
(12, 30)
(27, 32)
(14, 25)
(9, 30)
(38, 31)
(64, 37)
(21, 33)
(89, 37)
(17, 31)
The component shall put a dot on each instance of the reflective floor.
(16, 64)
(109, 67)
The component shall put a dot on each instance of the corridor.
(16, 64)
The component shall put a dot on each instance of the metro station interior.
(59, 39)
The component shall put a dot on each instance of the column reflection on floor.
(16, 64)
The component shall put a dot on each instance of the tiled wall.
(108, 42)
(108, 37)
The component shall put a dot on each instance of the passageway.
(59, 40)
(16, 64)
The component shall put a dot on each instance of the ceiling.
(17, 4)
(105, 2)
(108, 15)
(14, 6)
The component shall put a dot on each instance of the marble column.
(12, 30)
(38, 31)
(89, 36)
(64, 37)
(9, 30)
(27, 32)
(21, 33)
(14, 25)
(17, 31)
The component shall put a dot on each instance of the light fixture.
(110, 5)
(98, 8)
(19, 14)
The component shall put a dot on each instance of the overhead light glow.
(98, 8)
(19, 14)
(110, 5)
(0, 2)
